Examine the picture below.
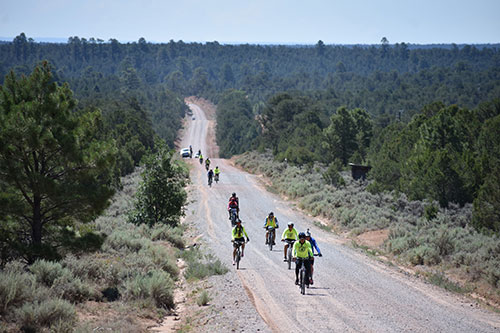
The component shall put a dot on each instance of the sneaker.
(284, 259)
(297, 282)
(242, 255)
(274, 243)
(267, 242)
(311, 282)
(233, 263)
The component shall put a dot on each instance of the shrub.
(161, 258)
(47, 272)
(431, 212)
(197, 270)
(423, 255)
(124, 240)
(156, 285)
(15, 289)
(203, 298)
(166, 232)
(48, 313)
(86, 267)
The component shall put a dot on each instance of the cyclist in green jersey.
(289, 233)
(302, 252)
(237, 235)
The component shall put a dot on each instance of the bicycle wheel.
(270, 240)
(289, 257)
(302, 280)
(238, 258)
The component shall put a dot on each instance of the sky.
(256, 21)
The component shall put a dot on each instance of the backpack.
(233, 203)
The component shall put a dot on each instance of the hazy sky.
(257, 21)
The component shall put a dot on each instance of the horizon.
(276, 22)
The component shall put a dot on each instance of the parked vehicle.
(185, 152)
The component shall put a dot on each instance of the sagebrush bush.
(47, 313)
(47, 272)
(198, 270)
(168, 233)
(124, 241)
(155, 285)
(203, 298)
(86, 267)
(161, 258)
(15, 289)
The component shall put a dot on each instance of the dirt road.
(351, 293)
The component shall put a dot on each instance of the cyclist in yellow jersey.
(288, 234)
(216, 173)
(302, 252)
(271, 221)
(237, 235)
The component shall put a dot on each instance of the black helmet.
(308, 234)
(302, 235)
(271, 214)
(290, 224)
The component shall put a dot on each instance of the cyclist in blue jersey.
(314, 246)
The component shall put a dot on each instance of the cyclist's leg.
(298, 264)
(267, 235)
(242, 249)
(286, 248)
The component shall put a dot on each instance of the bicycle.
(270, 237)
(216, 178)
(289, 252)
(302, 275)
(233, 216)
(237, 258)
(210, 181)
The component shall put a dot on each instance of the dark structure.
(359, 171)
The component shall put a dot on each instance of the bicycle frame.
(270, 237)
(238, 245)
(289, 252)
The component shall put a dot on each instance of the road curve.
(351, 293)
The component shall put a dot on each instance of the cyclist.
(302, 252)
(210, 177)
(207, 163)
(271, 221)
(237, 235)
(288, 234)
(234, 202)
(216, 173)
(201, 158)
(314, 245)
(190, 151)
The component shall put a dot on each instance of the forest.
(425, 118)
(77, 117)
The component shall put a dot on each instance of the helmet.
(290, 224)
(271, 214)
(238, 220)
(308, 234)
(302, 235)
(234, 194)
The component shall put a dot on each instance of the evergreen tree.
(53, 171)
